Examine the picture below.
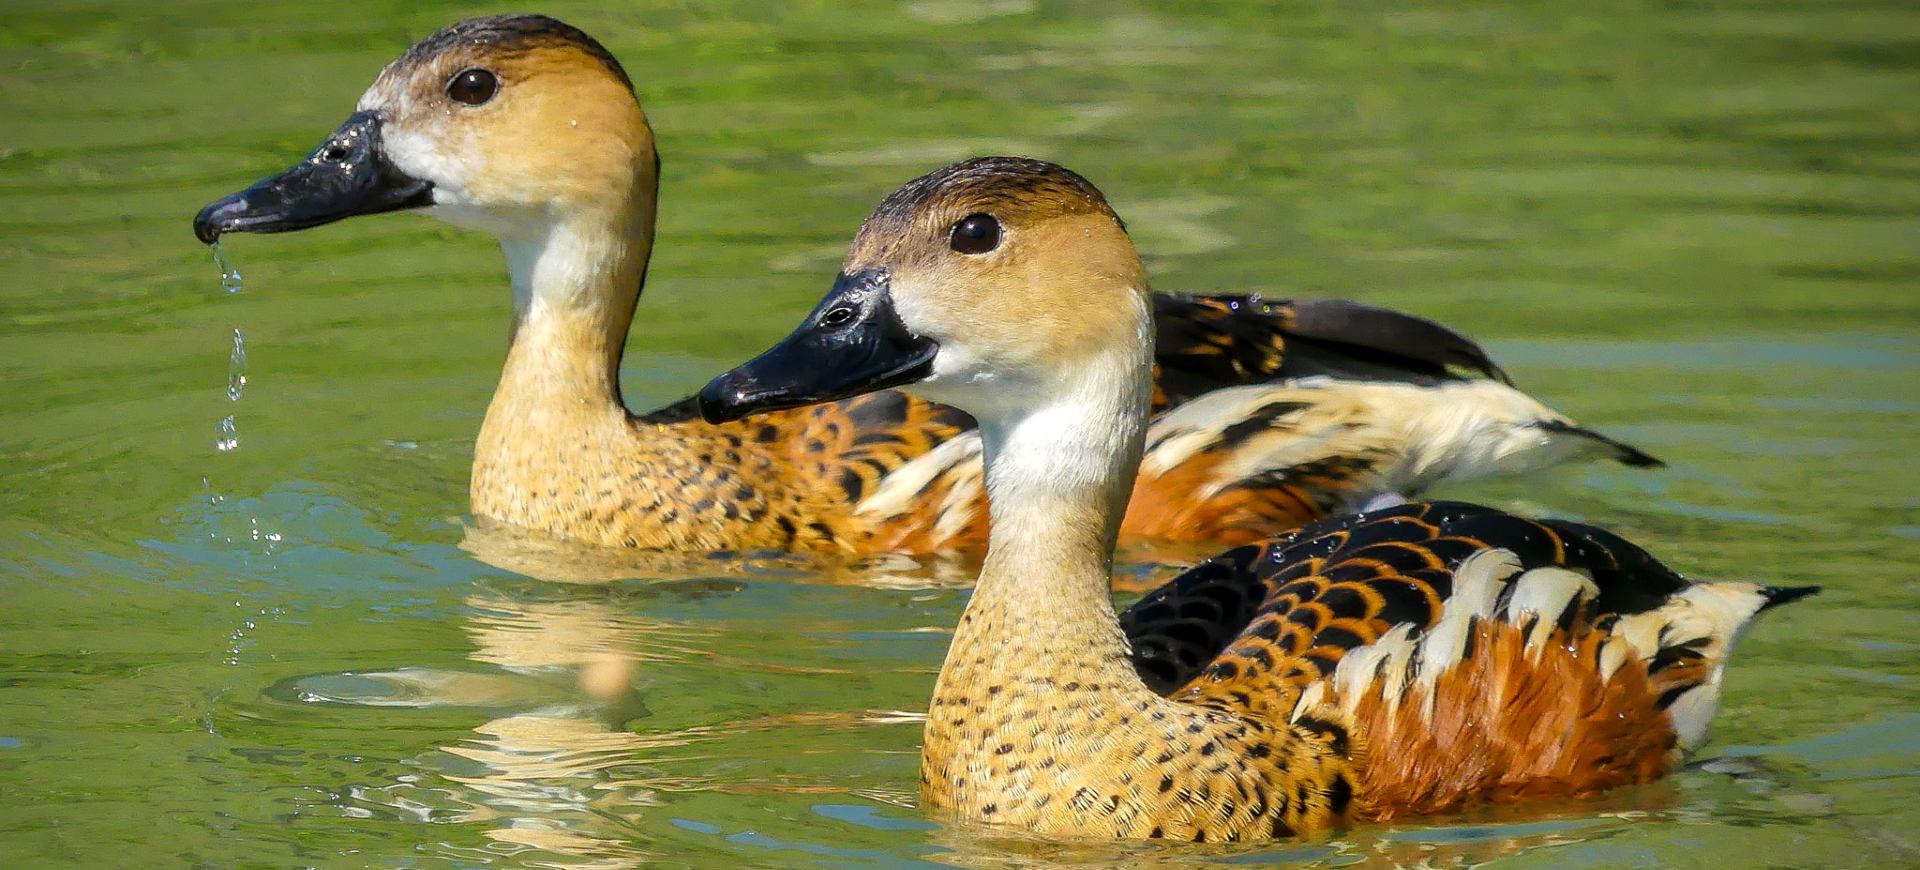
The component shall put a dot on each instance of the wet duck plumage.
(528, 129)
(1406, 660)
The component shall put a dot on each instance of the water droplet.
(229, 276)
(237, 366)
(224, 436)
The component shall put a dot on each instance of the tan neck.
(1057, 481)
(574, 287)
(1041, 618)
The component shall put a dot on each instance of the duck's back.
(1481, 655)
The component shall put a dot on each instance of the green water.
(1696, 226)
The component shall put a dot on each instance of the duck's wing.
(1358, 576)
(1187, 624)
(844, 452)
(1272, 413)
(798, 473)
(1204, 343)
(1497, 656)
(1178, 628)
(1239, 463)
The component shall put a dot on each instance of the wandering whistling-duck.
(1406, 660)
(526, 128)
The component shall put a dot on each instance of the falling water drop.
(229, 276)
(225, 437)
(237, 366)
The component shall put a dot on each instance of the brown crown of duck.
(536, 115)
(1061, 254)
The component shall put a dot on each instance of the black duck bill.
(852, 343)
(347, 175)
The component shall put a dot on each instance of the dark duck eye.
(975, 234)
(472, 86)
(837, 317)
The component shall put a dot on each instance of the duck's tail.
(1337, 444)
(1685, 643)
(1778, 595)
(1621, 452)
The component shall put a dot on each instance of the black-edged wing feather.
(1341, 582)
(1204, 343)
(1352, 334)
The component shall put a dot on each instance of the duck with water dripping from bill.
(529, 130)
(1408, 660)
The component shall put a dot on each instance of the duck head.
(995, 284)
(508, 124)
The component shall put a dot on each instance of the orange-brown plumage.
(1173, 506)
(1509, 725)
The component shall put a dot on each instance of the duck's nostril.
(334, 154)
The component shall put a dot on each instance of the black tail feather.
(1384, 331)
(1624, 453)
(1778, 595)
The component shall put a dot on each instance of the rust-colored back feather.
(1510, 723)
